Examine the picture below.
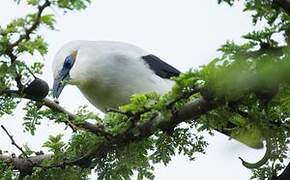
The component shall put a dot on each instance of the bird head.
(62, 65)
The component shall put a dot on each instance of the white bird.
(108, 73)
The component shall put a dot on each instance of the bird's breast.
(104, 96)
(111, 93)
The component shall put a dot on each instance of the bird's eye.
(68, 62)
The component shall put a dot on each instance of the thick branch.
(190, 111)
(21, 164)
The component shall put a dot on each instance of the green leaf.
(33, 2)
(48, 20)
(55, 144)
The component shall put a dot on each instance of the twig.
(68, 123)
(8, 92)
(26, 36)
(33, 27)
(94, 128)
(16, 145)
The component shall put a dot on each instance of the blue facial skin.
(64, 74)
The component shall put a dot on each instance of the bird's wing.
(160, 67)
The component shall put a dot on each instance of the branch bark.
(23, 164)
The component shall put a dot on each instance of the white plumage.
(106, 72)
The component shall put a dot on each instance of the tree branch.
(189, 111)
(16, 145)
(23, 164)
(8, 92)
(94, 128)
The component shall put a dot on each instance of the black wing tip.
(160, 67)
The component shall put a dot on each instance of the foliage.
(5, 171)
(66, 173)
(249, 82)
(140, 156)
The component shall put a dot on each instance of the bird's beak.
(60, 82)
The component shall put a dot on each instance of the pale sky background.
(185, 33)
